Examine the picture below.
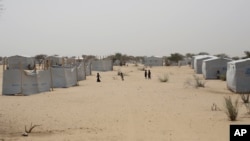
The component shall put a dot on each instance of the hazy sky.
(132, 27)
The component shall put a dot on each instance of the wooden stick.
(51, 78)
(77, 83)
(3, 64)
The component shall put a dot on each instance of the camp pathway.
(135, 109)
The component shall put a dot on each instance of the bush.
(231, 109)
(195, 82)
(245, 97)
(248, 107)
(223, 77)
(163, 78)
(199, 82)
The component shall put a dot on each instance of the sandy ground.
(135, 109)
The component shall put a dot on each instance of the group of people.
(147, 74)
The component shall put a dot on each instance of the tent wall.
(14, 62)
(81, 75)
(11, 82)
(25, 82)
(211, 66)
(29, 82)
(198, 63)
(238, 76)
(44, 81)
(153, 61)
(55, 60)
(102, 65)
(88, 69)
(192, 62)
(63, 77)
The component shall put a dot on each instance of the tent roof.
(240, 61)
(204, 57)
(217, 58)
(24, 56)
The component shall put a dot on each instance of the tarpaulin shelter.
(17, 61)
(198, 60)
(238, 76)
(102, 65)
(25, 82)
(213, 67)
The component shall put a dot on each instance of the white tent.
(198, 62)
(14, 62)
(25, 82)
(102, 65)
(211, 67)
(153, 61)
(238, 76)
(55, 60)
(192, 62)
(193, 58)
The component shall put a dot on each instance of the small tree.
(222, 55)
(203, 53)
(247, 53)
(176, 57)
(1, 8)
(40, 58)
(236, 58)
(189, 55)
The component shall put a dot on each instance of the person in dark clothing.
(98, 77)
(218, 74)
(146, 74)
(149, 74)
(122, 77)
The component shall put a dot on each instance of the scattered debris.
(214, 107)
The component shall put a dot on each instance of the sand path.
(132, 110)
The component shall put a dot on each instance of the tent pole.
(84, 68)
(20, 68)
(63, 61)
(77, 83)
(3, 64)
(51, 79)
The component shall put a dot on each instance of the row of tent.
(18, 78)
(237, 72)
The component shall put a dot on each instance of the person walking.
(146, 74)
(122, 77)
(98, 77)
(149, 74)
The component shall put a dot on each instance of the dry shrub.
(164, 78)
(223, 77)
(196, 82)
(248, 107)
(214, 107)
(231, 108)
(245, 97)
(29, 130)
(199, 82)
